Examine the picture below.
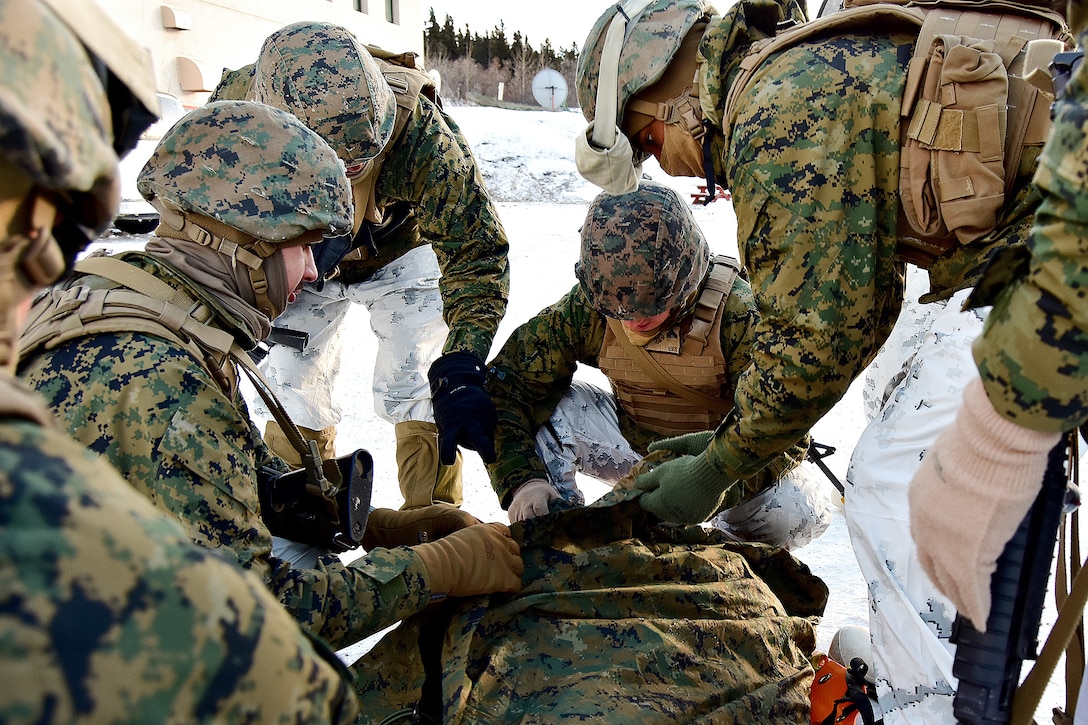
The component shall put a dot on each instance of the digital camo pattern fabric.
(617, 621)
(1033, 354)
(108, 613)
(162, 420)
(642, 253)
(321, 73)
(295, 182)
(430, 168)
(813, 165)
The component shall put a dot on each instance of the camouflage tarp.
(618, 621)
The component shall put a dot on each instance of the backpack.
(974, 112)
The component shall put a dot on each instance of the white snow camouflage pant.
(583, 436)
(912, 392)
(406, 316)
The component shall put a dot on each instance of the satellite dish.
(550, 89)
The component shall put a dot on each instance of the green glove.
(689, 444)
(686, 490)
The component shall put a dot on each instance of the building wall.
(228, 33)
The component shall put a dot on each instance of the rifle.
(295, 507)
(988, 663)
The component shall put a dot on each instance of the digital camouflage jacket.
(1033, 353)
(813, 166)
(429, 169)
(536, 365)
(163, 421)
(108, 613)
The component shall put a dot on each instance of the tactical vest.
(690, 352)
(99, 305)
(975, 110)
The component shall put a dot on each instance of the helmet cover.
(252, 167)
(321, 73)
(642, 253)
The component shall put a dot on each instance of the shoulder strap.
(883, 15)
(177, 301)
(724, 271)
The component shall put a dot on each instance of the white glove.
(531, 499)
(974, 487)
(613, 168)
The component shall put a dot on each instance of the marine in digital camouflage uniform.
(1032, 386)
(643, 258)
(811, 154)
(171, 418)
(431, 257)
(108, 613)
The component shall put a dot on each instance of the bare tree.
(524, 65)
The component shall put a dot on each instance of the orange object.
(828, 693)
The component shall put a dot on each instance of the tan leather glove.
(531, 499)
(477, 560)
(387, 528)
(967, 499)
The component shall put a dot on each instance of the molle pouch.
(294, 508)
(953, 166)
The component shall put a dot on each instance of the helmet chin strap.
(603, 154)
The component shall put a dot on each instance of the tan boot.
(423, 480)
(280, 444)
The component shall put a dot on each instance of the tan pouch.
(953, 174)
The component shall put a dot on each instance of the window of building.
(360, 6)
(391, 11)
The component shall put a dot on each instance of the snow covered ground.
(527, 160)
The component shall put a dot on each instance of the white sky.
(563, 22)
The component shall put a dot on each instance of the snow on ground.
(527, 160)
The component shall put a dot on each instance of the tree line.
(474, 65)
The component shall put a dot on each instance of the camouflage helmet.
(76, 93)
(251, 167)
(323, 75)
(235, 85)
(642, 253)
(652, 37)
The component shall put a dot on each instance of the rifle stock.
(987, 664)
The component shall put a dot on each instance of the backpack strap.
(886, 16)
(145, 303)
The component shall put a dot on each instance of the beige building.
(192, 41)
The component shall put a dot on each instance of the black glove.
(463, 410)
